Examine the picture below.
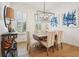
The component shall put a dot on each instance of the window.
(20, 20)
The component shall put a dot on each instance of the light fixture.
(45, 17)
(44, 14)
(9, 15)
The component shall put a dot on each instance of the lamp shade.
(9, 13)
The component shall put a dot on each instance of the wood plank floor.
(67, 51)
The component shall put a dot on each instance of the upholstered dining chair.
(49, 41)
(53, 40)
(60, 38)
(30, 42)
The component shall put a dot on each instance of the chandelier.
(43, 14)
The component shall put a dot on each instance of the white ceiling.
(49, 6)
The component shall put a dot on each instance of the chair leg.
(61, 46)
(47, 52)
(29, 50)
(53, 48)
(57, 47)
(27, 46)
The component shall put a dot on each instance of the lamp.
(10, 16)
(9, 13)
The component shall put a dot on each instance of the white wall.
(2, 26)
(30, 24)
(30, 20)
(71, 35)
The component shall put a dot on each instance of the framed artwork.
(69, 19)
(54, 21)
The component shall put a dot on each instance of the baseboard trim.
(74, 45)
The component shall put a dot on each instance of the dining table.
(43, 36)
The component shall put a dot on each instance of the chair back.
(35, 37)
(49, 37)
(28, 38)
(60, 36)
(53, 37)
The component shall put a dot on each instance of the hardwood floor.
(67, 51)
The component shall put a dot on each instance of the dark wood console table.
(8, 44)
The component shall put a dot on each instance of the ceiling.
(49, 6)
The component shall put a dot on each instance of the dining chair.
(49, 41)
(60, 38)
(30, 42)
(53, 40)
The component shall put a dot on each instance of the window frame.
(20, 17)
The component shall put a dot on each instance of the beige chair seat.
(44, 43)
(60, 38)
(49, 41)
